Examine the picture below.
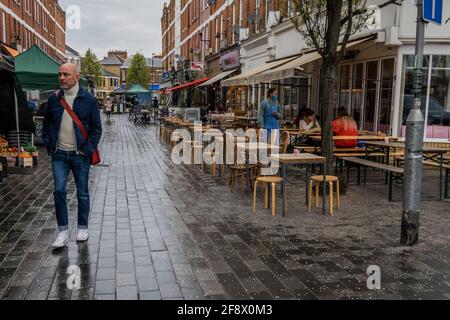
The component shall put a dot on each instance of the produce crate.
(11, 161)
(26, 162)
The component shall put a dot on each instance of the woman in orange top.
(344, 125)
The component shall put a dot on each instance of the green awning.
(136, 89)
(36, 70)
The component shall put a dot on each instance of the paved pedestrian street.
(165, 231)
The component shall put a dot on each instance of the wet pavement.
(163, 231)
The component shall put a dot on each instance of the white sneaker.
(62, 240)
(83, 235)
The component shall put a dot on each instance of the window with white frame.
(256, 15)
(435, 103)
(27, 7)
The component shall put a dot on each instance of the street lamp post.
(412, 187)
(151, 76)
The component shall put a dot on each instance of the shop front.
(376, 88)
(220, 67)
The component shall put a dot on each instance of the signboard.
(197, 66)
(192, 114)
(165, 76)
(432, 11)
(230, 60)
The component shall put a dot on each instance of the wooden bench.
(401, 159)
(393, 172)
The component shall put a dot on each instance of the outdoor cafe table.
(430, 153)
(247, 147)
(146, 114)
(246, 121)
(359, 137)
(302, 158)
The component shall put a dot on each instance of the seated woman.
(309, 122)
(300, 116)
(344, 125)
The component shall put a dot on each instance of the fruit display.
(3, 143)
(8, 151)
(25, 155)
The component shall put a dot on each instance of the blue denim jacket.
(86, 108)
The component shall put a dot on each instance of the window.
(435, 103)
(345, 94)
(27, 7)
(366, 91)
(357, 103)
(257, 16)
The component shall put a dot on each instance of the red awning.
(189, 84)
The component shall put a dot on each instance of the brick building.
(24, 23)
(196, 29)
(210, 34)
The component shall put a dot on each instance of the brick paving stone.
(165, 231)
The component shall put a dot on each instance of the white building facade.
(375, 78)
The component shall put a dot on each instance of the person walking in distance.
(108, 107)
(69, 150)
(155, 106)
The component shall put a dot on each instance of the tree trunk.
(328, 103)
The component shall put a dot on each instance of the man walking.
(155, 105)
(68, 149)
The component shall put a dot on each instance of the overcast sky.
(132, 25)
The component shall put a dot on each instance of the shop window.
(357, 101)
(387, 83)
(345, 94)
(371, 95)
(434, 92)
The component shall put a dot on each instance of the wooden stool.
(266, 181)
(318, 180)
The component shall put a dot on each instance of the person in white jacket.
(309, 122)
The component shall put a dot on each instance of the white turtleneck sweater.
(67, 140)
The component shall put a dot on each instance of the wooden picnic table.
(302, 158)
(359, 137)
(247, 118)
(430, 153)
(248, 147)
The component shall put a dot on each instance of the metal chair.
(138, 115)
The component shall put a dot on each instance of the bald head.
(68, 76)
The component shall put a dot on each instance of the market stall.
(15, 117)
(37, 71)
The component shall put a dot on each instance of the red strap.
(74, 117)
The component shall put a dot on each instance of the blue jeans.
(62, 163)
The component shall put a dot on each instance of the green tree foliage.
(90, 66)
(138, 72)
